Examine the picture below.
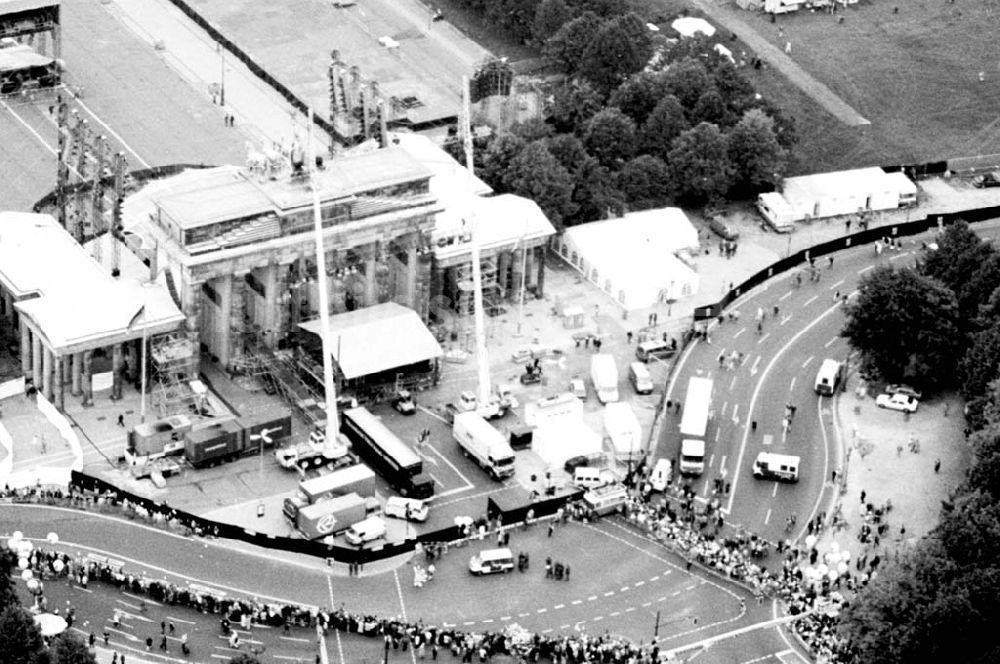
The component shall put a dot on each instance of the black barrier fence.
(804, 256)
(512, 511)
(259, 71)
(140, 175)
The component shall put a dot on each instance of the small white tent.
(555, 442)
(689, 26)
(624, 430)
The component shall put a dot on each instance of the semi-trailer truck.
(359, 479)
(694, 423)
(487, 446)
(329, 517)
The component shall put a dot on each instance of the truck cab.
(692, 457)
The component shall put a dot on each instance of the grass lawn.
(914, 75)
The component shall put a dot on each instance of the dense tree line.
(939, 601)
(639, 122)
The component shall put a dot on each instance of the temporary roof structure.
(632, 258)
(555, 442)
(92, 308)
(842, 192)
(623, 428)
(377, 338)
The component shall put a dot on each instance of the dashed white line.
(598, 618)
(810, 301)
(639, 583)
(645, 604)
(630, 609)
(623, 589)
(761, 340)
(504, 618)
(488, 620)
(767, 517)
(542, 610)
(831, 342)
(523, 615)
(863, 270)
(615, 613)
(296, 639)
(741, 331)
(655, 578)
(783, 297)
(806, 363)
(592, 598)
(609, 593)
(469, 622)
(791, 385)
(575, 602)
(837, 285)
(559, 606)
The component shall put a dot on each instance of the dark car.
(580, 461)
(904, 389)
(722, 228)
(404, 402)
(987, 180)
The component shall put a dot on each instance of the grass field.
(914, 74)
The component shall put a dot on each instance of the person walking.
(121, 419)
(937, 465)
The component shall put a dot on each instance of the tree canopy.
(535, 174)
(758, 159)
(69, 648)
(20, 640)
(699, 164)
(905, 325)
(610, 137)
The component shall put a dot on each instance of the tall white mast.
(332, 420)
(482, 359)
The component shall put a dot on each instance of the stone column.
(86, 379)
(75, 369)
(270, 317)
(540, 274)
(47, 374)
(371, 282)
(116, 372)
(61, 384)
(411, 271)
(25, 349)
(519, 265)
(8, 305)
(36, 360)
(224, 287)
(503, 273)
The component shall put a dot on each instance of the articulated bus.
(384, 452)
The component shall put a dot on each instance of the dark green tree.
(568, 150)
(567, 46)
(532, 129)
(905, 325)
(645, 182)
(603, 8)
(639, 95)
(736, 90)
(497, 161)
(960, 253)
(687, 79)
(595, 195)
(610, 137)
(572, 105)
(699, 162)
(975, 295)
(535, 174)
(665, 123)
(784, 125)
(980, 365)
(68, 648)
(549, 17)
(758, 158)
(516, 17)
(614, 54)
(8, 596)
(20, 640)
(712, 109)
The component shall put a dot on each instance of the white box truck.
(484, 444)
(604, 374)
(694, 423)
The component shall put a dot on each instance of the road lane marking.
(615, 613)
(592, 598)
(559, 606)
(655, 578)
(646, 604)
(774, 492)
(738, 333)
(609, 593)
(504, 618)
(783, 297)
(791, 385)
(837, 285)
(487, 620)
(542, 610)
(785, 319)
(597, 619)
(808, 360)
(756, 363)
(142, 599)
(736, 414)
(630, 609)
(399, 592)
(831, 342)
(898, 256)
(732, 384)
(624, 589)
(575, 602)
(863, 270)
(471, 622)
(761, 340)
(523, 615)
(767, 517)
(186, 622)
(810, 301)
(639, 584)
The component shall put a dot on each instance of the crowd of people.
(676, 521)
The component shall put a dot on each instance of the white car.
(903, 402)
(578, 388)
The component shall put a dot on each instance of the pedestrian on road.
(566, 572)
(788, 48)
(552, 528)
(171, 628)
(628, 336)
(776, 312)
(829, 264)
(149, 643)
(163, 642)
(106, 636)
(937, 465)
(863, 495)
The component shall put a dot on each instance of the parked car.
(579, 388)
(987, 180)
(404, 402)
(899, 388)
(903, 402)
(722, 228)
(573, 463)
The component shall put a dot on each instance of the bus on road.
(385, 453)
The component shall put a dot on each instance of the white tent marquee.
(557, 440)
(632, 259)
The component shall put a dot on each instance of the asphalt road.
(600, 596)
(779, 367)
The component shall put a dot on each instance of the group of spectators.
(694, 532)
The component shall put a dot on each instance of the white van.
(662, 472)
(606, 499)
(641, 380)
(588, 477)
(781, 467)
(365, 531)
(831, 372)
(410, 509)
(492, 561)
(776, 211)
